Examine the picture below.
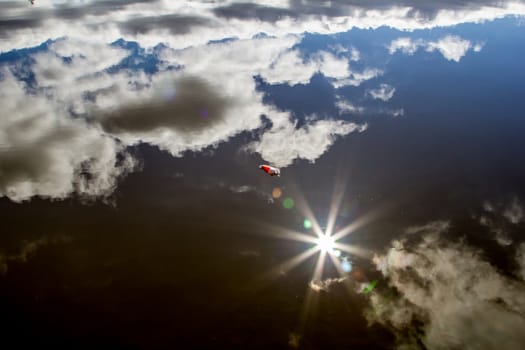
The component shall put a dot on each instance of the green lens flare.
(307, 224)
(370, 287)
(288, 203)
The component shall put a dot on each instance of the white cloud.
(290, 68)
(384, 92)
(461, 299)
(355, 55)
(452, 47)
(333, 67)
(347, 107)
(357, 78)
(284, 143)
(85, 59)
(405, 45)
(397, 112)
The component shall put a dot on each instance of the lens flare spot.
(307, 224)
(358, 274)
(288, 203)
(346, 265)
(337, 253)
(370, 287)
(277, 193)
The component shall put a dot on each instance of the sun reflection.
(326, 244)
(323, 241)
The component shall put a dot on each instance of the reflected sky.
(134, 214)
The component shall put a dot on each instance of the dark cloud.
(419, 8)
(13, 16)
(249, 10)
(28, 162)
(95, 8)
(176, 24)
(189, 104)
(34, 16)
(336, 8)
(10, 24)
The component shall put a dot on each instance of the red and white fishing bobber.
(270, 170)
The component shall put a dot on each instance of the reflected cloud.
(452, 47)
(385, 92)
(27, 248)
(292, 69)
(452, 290)
(182, 24)
(284, 143)
(202, 91)
(44, 153)
(189, 105)
(347, 107)
(501, 219)
(324, 285)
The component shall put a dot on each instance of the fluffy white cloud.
(347, 107)
(461, 300)
(292, 69)
(357, 78)
(452, 47)
(284, 143)
(355, 55)
(84, 60)
(333, 67)
(384, 92)
(405, 45)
